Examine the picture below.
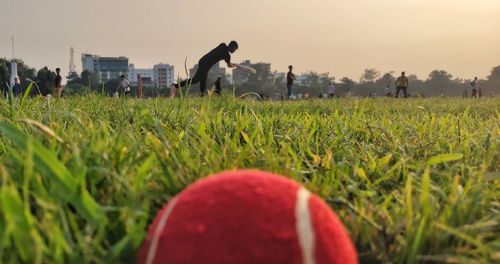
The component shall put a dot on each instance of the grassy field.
(414, 181)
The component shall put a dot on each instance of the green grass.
(414, 181)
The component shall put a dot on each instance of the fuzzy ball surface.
(249, 217)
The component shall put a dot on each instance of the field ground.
(414, 181)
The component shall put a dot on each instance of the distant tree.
(440, 82)
(312, 79)
(3, 76)
(45, 80)
(87, 81)
(386, 79)
(494, 74)
(492, 84)
(90, 79)
(412, 78)
(369, 76)
(440, 76)
(313, 83)
(263, 74)
(418, 86)
(25, 73)
(324, 79)
(74, 81)
(72, 76)
(277, 84)
(346, 85)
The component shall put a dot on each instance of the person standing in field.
(221, 52)
(331, 90)
(58, 83)
(173, 89)
(473, 85)
(218, 88)
(16, 88)
(123, 86)
(290, 79)
(402, 84)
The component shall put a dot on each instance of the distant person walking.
(123, 87)
(218, 88)
(58, 83)
(290, 79)
(473, 85)
(173, 89)
(221, 52)
(402, 84)
(16, 88)
(331, 90)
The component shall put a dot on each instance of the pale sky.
(342, 37)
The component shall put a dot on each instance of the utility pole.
(13, 55)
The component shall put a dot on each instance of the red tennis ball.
(249, 217)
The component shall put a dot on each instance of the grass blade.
(62, 180)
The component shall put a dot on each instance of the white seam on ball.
(305, 231)
(157, 232)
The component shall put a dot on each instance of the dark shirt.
(402, 82)
(16, 89)
(216, 55)
(290, 77)
(58, 81)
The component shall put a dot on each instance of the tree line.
(44, 77)
(372, 82)
(269, 83)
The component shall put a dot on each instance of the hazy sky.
(342, 37)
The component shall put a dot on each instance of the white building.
(163, 75)
(106, 68)
(132, 74)
(147, 75)
(89, 62)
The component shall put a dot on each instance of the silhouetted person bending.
(222, 52)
